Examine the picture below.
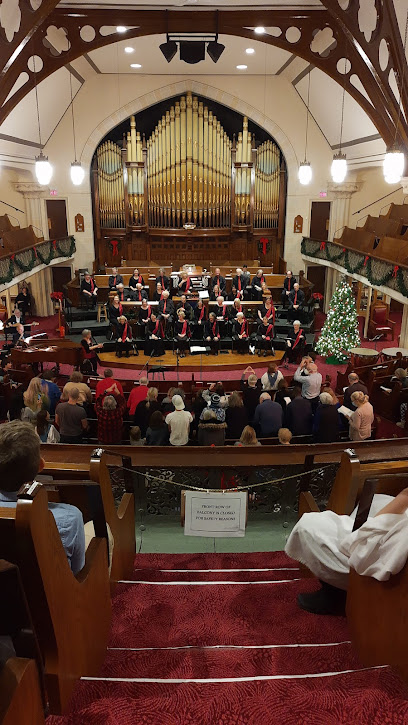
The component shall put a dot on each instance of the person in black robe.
(232, 295)
(163, 279)
(166, 313)
(219, 281)
(267, 310)
(154, 345)
(182, 333)
(158, 293)
(221, 313)
(89, 292)
(183, 304)
(115, 310)
(23, 301)
(90, 347)
(184, 284)
(295, 344)
(19, 338)
(144, 316)
(264, 337)
(200, 318)
(296, 301)
(215, 293)
(135, 279)
(124, 339)
(240, 334)
(121, 292)
(212, 333)
(288, 283)
(256, 285)
(236, 307)
(139, 293)
(240, 284)
(115, 279)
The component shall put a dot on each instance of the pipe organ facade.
(190, 175)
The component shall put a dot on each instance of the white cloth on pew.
(316, 541)
(380, 547)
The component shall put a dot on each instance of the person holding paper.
(354, 385)
(362, 418)
(295, 343)
(182, 333)
(212, 333)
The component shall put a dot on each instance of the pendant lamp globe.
(305, 173)
(339, 168)
(43, 169)
(77, 173)
(394, 164)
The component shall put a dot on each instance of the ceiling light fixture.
(128, 49)
(135, 65)
(339, 163)
(169, 49)
(43, 168)
(259, 30)
(305, 170)
(242, 67)
(394, 159)
(192, 51)
(214, 48)
(121, 29)
(250, 51)
(77, 172)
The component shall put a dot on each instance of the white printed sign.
(215, 514)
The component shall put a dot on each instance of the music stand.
(200, 350)
(156, 369)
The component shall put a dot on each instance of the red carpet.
(234, 652)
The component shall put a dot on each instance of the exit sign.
(53, 192)
(322, 194)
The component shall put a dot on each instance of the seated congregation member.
(236, 307)
(135, 436)
(267, 310)
(35, 399)
(212, 333)
(211, 431)
(144, 316)
(284, 436)
(107, 382)
(139, 294)
(264, 337)
(71, 419)
(136, 279)
(270, 380)
(89, 291)
(268, 416)
(45, 430)
(240, 283)
(310, 379)
(158, 294)
(154, 345)
(115, 279)
(157, 433)
(76, 380)
(138, 393)
(179, 422)
(163, 279)
(184, 305)
(19, 338)
(90, 349)
(145, 408)
(295, 344)
(51, 390)
(240, 334)
(166, 308)
(21, 462)
(256, 285)
(362, 418)
(288, 283)
(110, 408)
(124, 339)
(248, 438)
(236, 415)
(296, 300)
(200, 317)
(115, 310)
(298, 414)
(218, 280)
(326, 544)
(283, 394)
(355, 385)
(326, 424)
(182, 333)
(184, 284)
(250, 392)
(23, 301)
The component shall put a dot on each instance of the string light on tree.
(340, 331)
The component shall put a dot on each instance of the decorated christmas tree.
(340, 331)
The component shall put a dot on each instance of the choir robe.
(267, 332)
(187, 309)
(184, 287)
(200, 316)
(164, 281)
(114, 280)
(91, 287)
(220, 281)
(294, 349)
(139, 295)
(113, 314)
(241, 344)
(144, 315)
(233, 311)
(221, 312)
(237, 282)
(257, 287)
(296, 298)
(133, 281)
(182, 342)
(287, 287)
(154, 347)
(212, 330)
(123, 346)
(167, 307)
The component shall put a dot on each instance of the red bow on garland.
(13, 256)
(322, 246)
(366, 260)
(115, 247)
(54, 244)
(264, 244)
(395, 270)
(35, 252)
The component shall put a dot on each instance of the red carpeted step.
(240, 560)
(226, 662)
(372, 697)
(151, 615)
(227, 575)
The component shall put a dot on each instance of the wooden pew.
(71, 614)
(20, 694)
(121, 521)
(377, 612)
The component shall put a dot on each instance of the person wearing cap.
(214, 404)
(179, 422)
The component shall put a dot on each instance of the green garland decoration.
(45, 259)
(393, 276)
(16, 263)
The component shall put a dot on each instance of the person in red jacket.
(107, 383)
(138, 393)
